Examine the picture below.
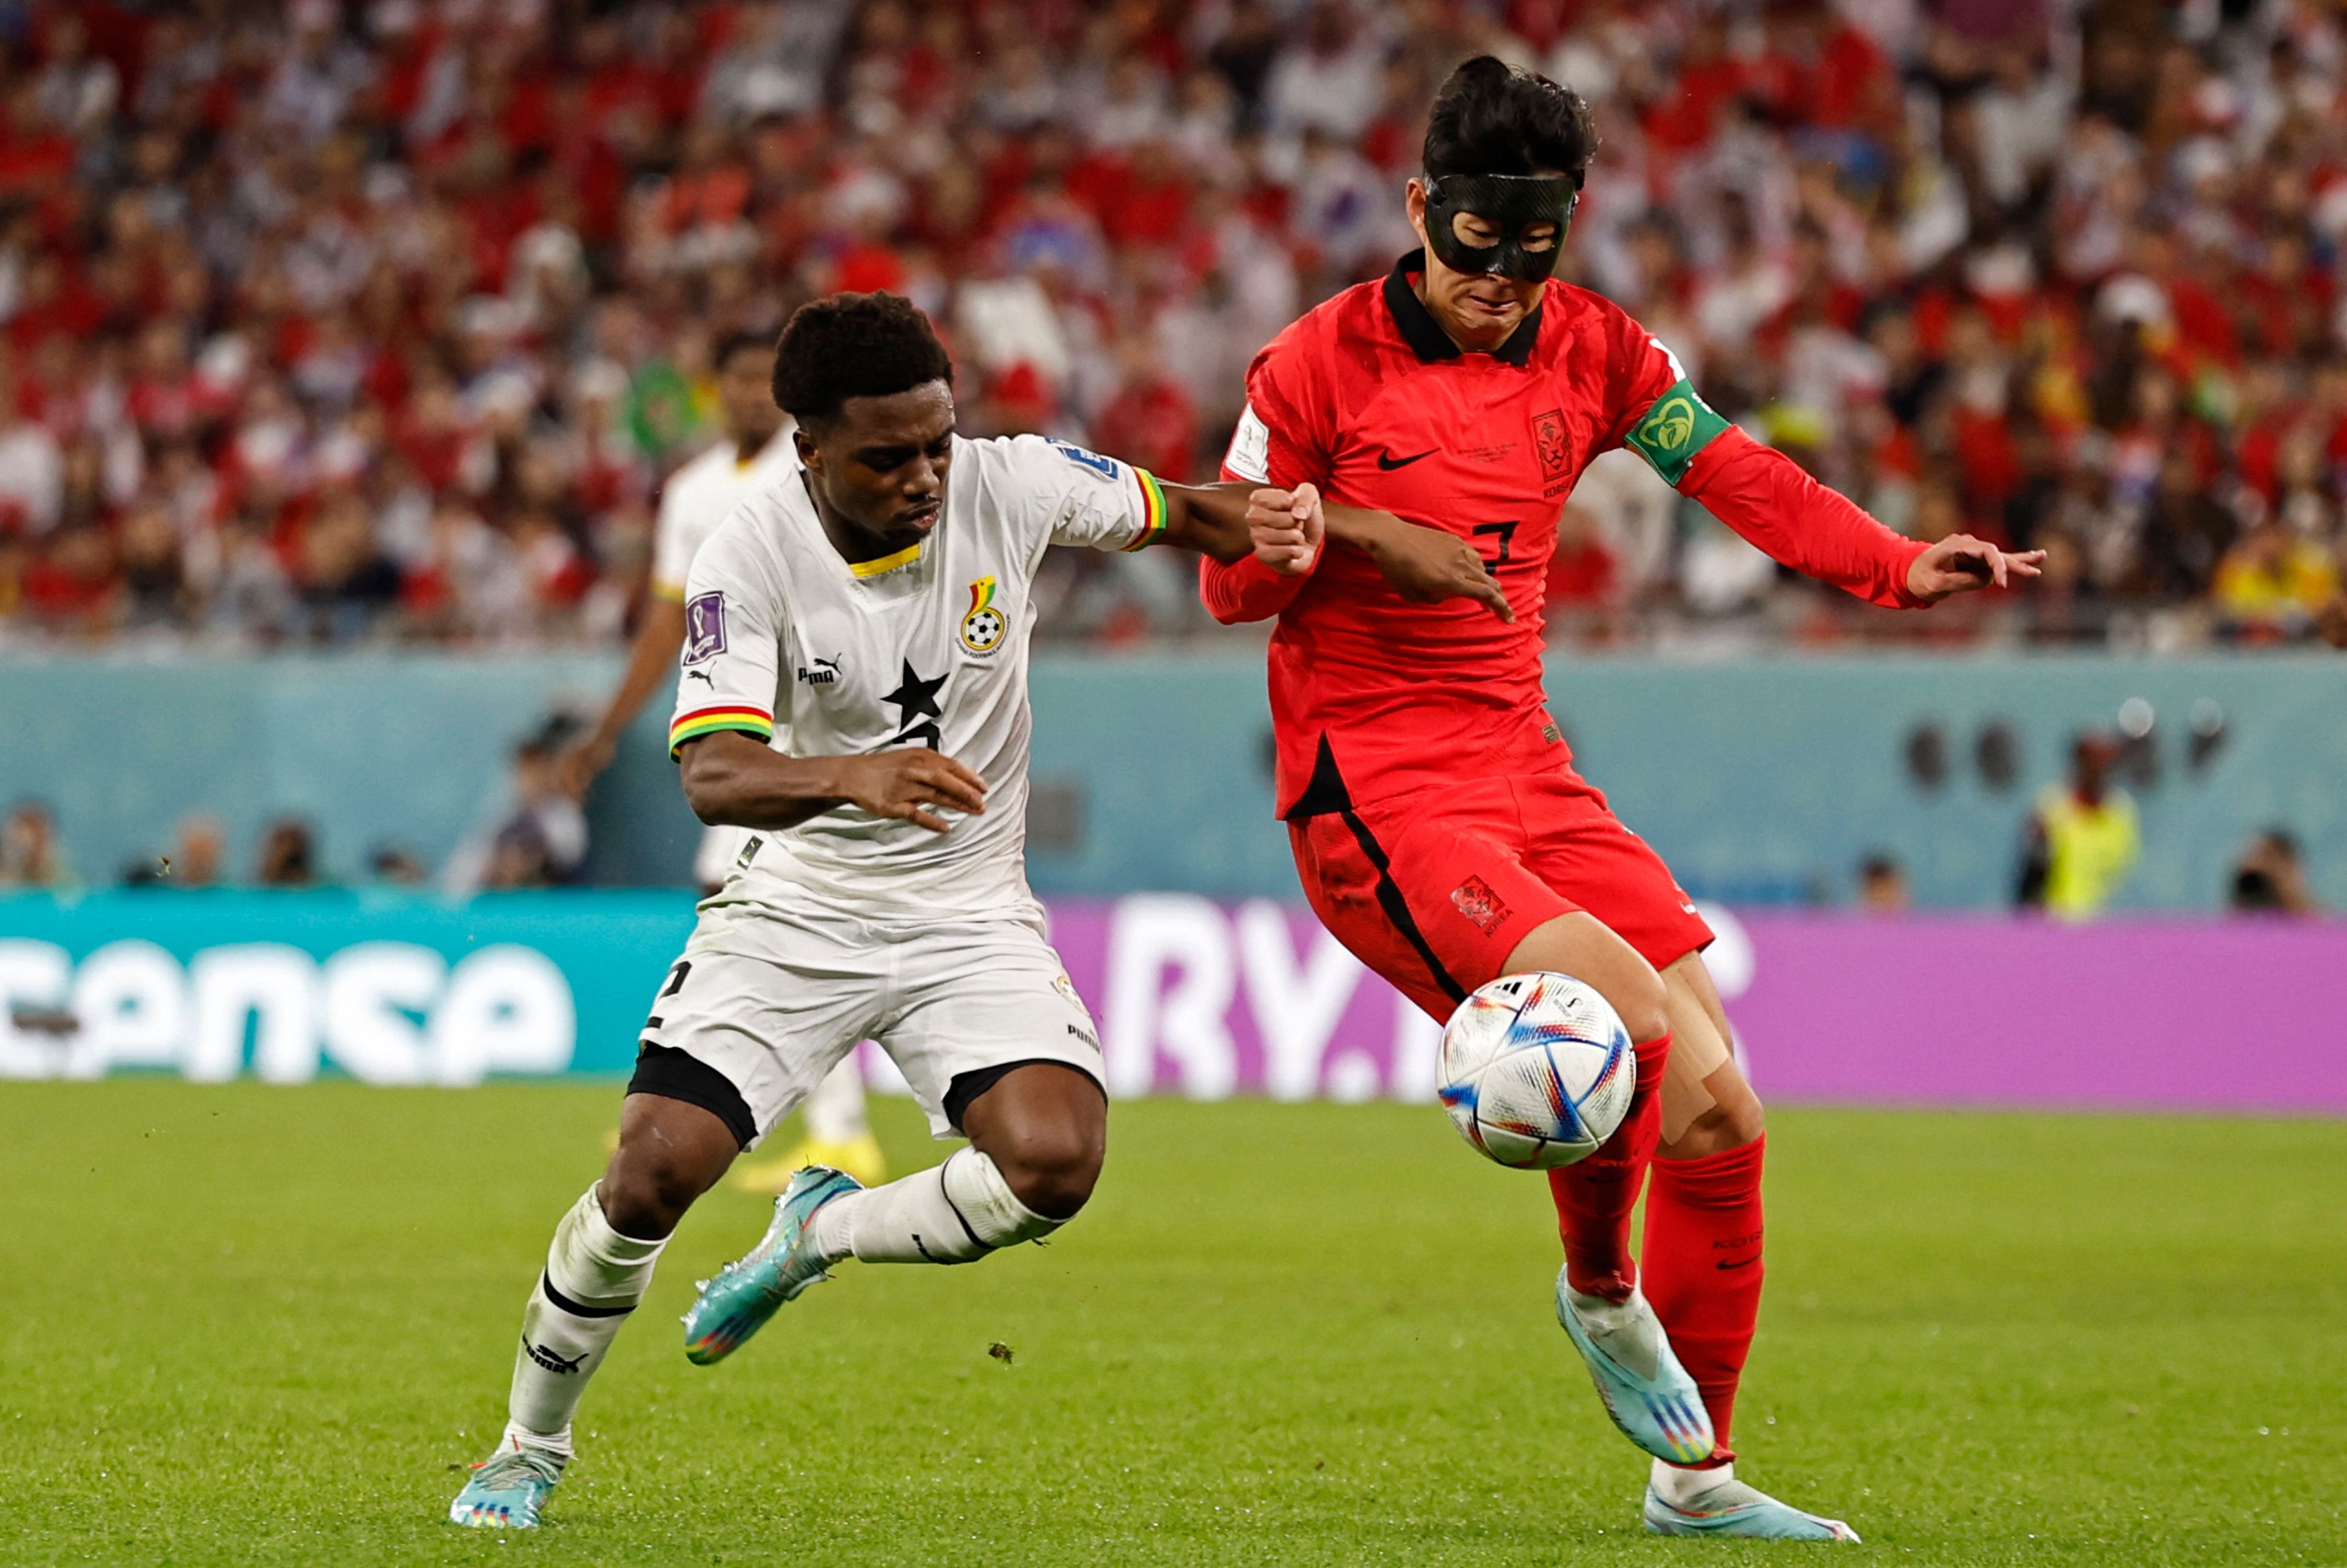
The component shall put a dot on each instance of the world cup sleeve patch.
(705, 628)
(1250, 452)
(1103, 466)
(1678, 425)
(983, 628)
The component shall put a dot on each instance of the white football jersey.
(702, 493)
(925, 648)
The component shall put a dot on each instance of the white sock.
(593, 1278)
(951, 1212)
(1680, 1487)
(835, 1112)
(555, 1444)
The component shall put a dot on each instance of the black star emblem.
(916, 700)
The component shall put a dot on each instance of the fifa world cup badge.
(983, 628)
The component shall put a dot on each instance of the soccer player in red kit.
(1438, 823)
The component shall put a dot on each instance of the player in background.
(1440, 828)
(756, 451)
(876, 607)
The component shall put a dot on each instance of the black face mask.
(1510, 203)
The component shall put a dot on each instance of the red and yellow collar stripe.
(709, 720)
(1153, 508)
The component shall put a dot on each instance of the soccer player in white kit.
(756, 453)
(878, 606)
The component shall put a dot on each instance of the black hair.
(735, 343)
(1491, 117)
(855, 345)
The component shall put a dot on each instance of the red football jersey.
(1369, 399)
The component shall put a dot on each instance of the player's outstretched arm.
(1773, 502)
(733, 779)
(1425, 566)
(1212, 519)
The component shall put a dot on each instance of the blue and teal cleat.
(506, 1489)
(738, 1301)
(1644, 1389)
(1733, 1511)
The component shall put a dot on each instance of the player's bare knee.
(646, 1192)
(1052, 1169)
(1640, 1000)
(1717, 1130)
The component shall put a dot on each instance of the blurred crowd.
(342, 319)
(531, 833)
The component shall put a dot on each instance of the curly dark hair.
(1490, 117)
(855, 345)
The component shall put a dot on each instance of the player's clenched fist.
(905, 783)
(1287, 527)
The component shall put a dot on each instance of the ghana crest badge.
(982, 630)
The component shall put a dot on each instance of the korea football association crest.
(984, 627)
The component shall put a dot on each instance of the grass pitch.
(250, 1326)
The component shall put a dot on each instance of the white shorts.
(773, 1000)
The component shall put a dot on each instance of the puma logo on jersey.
(703, 676)
(823, 672)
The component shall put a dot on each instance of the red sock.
(1703, 1268)
(1595, 1197)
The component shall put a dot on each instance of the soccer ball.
(1536, 1070)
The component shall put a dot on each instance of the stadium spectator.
(1882, 886)
(2083, 839)
(30, 854)
(2273, 583)
(332, 323)
(2271, 877)
(395, 866)
(289, 856)
(194, 861)
(538, 839)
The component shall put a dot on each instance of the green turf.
(252, 1325)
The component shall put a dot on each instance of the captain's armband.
(1678, 425)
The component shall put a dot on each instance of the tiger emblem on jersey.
(1555, 456)
(984, 627)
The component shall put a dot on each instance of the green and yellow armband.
(1675, 429)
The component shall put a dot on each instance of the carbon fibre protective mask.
(1511, 204)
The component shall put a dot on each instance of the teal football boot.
(737, 1303)
(1732, 1509)
(506, 1489)
(1645, 1391)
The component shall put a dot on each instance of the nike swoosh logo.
(1747, 1263)
(1389, 461)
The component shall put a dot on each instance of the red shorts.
(1433, 890)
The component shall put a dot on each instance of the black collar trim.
(1425, 335)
